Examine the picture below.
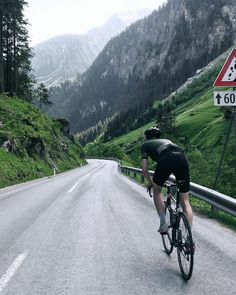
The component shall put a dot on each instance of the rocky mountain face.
(148, 61)
(65, 57)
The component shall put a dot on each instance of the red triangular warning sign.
(227, 75)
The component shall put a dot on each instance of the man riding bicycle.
(170, 158)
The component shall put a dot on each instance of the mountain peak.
(130, 17)
(65, 57)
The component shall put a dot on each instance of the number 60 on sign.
(225, 98)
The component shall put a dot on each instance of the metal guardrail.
(214, 198)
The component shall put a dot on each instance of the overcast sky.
(49, 18)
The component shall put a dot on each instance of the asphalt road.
(93, 231)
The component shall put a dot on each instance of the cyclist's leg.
(181, 172)
(158, 199)
(184, 201)
(160, 207)
(161, 174)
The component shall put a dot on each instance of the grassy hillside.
(31, 144)
(201, 130)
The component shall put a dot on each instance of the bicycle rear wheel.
(167, 238)
(185, 248)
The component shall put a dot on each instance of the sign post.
(226, 78)
(234, 114)
(223, 153)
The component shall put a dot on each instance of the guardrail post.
(54, 170)
(142, 178)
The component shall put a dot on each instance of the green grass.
(206, 210)
(14, 169)
(197, 117)
(39, 143)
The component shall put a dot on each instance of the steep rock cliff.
(149, 60)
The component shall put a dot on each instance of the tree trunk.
(1, 49)
(15, 74)
(9, 59)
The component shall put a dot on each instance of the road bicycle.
(179, 233)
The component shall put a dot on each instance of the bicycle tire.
(167, 238)
(185, 250)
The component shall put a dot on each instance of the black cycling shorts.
(176, 163)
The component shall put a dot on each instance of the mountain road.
(92, 231)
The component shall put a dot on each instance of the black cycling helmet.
(152, 132)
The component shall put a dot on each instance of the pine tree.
(15, 53)
(166, 118)
(42, 95)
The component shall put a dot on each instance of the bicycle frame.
(174, 216)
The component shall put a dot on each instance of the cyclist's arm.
(146, 172)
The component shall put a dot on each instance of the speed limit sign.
(225, 98)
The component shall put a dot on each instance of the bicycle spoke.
(185, 248)
(166, 239)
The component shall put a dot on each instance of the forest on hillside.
(15, 52)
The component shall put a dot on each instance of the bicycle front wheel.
(167, 238)
(185, 248)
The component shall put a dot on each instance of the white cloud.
(49, 18)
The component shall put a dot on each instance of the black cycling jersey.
(153, 148)
(170, 158)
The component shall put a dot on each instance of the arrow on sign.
(218, 97)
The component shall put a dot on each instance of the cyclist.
(170, 158)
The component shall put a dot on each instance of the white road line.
(12, 270)
(73, 187)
